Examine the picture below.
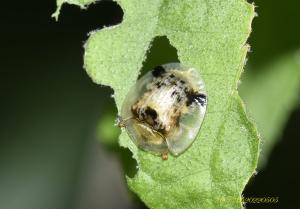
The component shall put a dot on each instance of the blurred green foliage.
(107, 131)
(271, 96)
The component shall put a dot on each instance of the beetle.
(164, 110)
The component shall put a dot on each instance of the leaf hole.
(129, 164)
(96, 16)
(160, 52)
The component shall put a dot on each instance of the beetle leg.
(122, 122)
(164, 156)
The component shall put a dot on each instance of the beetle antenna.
(122, 122)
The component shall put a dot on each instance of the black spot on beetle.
(186, 90)
(174, 93)
(151, 113)
(179, 98)
(155, 123)
(158, 71)
(196, 97)
(143, 114)
(182, 81)
(158, 84)
(172, 76)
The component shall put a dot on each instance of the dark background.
(50, 108)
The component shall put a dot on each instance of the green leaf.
(209, 35)
(271, 93)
